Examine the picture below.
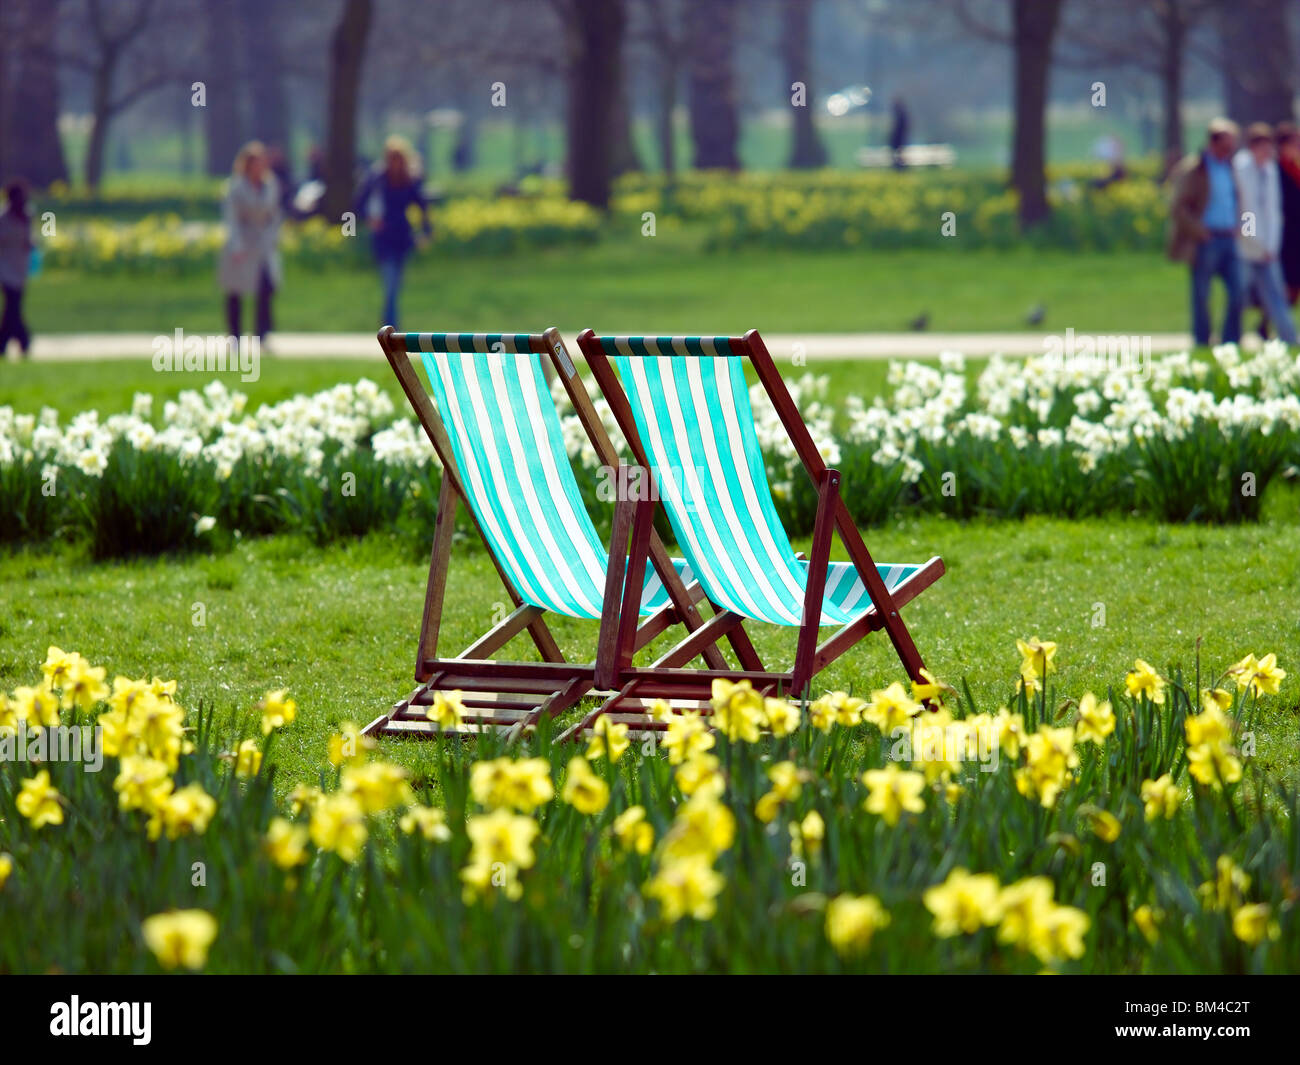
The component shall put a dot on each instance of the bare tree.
(667, 36)
(1149, 35)
(123, 65)
(806, 149)
(712, 99)
(31, 124)
(346, 53)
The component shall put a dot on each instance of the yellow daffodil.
(785, 777)
(520, 785)
(278, 710)
(686, 736)
(891, 708)
(1148, 918)
(702, 825)
(1096, 720)
(187, 810)
(377, 786)
(1254, 923)
(338, 825)
(429, 821)
(248, 759)
(348, 746)
(1023, 908)
(6, 867)
(180, 938)
(304, 797)
(1104, 825)
(965, 902)
(852, 922)
(501, 845)
(1036, 658)
(633, 831)
(1214, 764)
(286, 843)
(1145, 681)
(39, 707)
(58, 665)
(1161, 796)
(738, 710)
(701, 776)
(142, 783)
(583, 789)
(686, 887)
(891, 792)
(782, 716)
(1227, 889)
(447, 710)
(607, 737)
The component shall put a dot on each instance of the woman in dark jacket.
(1288, 164)
(15, 259)
(384, 202)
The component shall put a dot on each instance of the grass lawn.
(663, 285)
(337, 626)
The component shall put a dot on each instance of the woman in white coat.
(250, 260)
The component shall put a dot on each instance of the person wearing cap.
(1259, 239)
(1204, 221)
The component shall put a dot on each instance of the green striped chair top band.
(482, 343)
(644, 346)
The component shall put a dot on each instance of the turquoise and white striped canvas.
(505, 432)
(692, 411)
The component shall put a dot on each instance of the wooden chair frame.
(660, 679)
(554, 684)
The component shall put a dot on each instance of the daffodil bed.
(1059, 831)
(822, 210)
(1176, 438)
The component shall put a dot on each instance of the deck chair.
(683, 406)
(493, 424)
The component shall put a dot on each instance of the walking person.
(1259, 240)
(1288, 164)
(386, 197)
(898, 131)
(250, 260)
(1204, 221)
(15, 262)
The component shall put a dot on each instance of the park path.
(80, 346)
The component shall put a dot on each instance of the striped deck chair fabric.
(692, 410)
(509, 446)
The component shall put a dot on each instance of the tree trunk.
(806, 149)
(34, 147)
(346, 54)
(623, 157)
(664, 118)
(715, 126)
(221, 112)
(270, 102)
(1034, 25)
(102, 85)
(594, 61)
(1171, 84)
(1257, 81)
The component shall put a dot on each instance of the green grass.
(337, 626)
(664, 285)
